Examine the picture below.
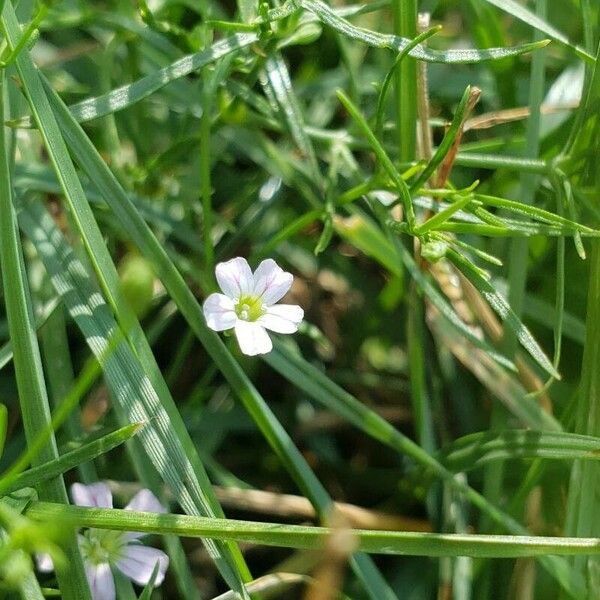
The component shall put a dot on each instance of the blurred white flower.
(102, 548)
(248, 304)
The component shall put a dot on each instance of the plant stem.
(405, 25)
(517, 272)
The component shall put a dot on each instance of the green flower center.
(100, 546)
(249, 308)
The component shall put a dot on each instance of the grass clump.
(418, 180)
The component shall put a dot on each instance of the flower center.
(249, 308)
(100, 546)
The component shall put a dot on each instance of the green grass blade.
(384, 159)
(447, 141)
(128, 95)
(477, 449)
(314, 538)
(134, 397)
(405, 14)
(393, 42)
(493, 161)
(33, 397)
(524, 14)
(61, 378)
(280, 84)
(69, 460)
(501, 306)
(444, 215)
(121, 205)
(534, 212)
(380, 112)
(362, 233)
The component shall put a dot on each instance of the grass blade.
(141, 235)
(393, 42)
(128, 95)
(308, 537)
(134, 397)
(505, 312)
(523, 14)
(319, 387)
(33, 398)
(478, 449)
(69, 460)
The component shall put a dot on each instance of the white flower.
(102, 549)
(248, 304)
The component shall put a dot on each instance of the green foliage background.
(435, 197)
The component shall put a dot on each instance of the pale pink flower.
(102, 548)
(248, 304)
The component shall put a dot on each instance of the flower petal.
(234, 277)
(96, 494)
(252, 338)
(144, 501)
(43, 562)
(139, 561)
(219, 312)
(102, 584)
(282, 318)
(271, 282)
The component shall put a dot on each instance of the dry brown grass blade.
(295, 507)
(298, 507)
(328, 576)
(509, 115)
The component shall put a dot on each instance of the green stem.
(205, 180)
(517, 272)
(585, 482)
(405, 25)
(585, 479)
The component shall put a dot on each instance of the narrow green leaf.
(501, 306)
(149, 246)
(444, 215)
(524, 14)
(280, 84)
(384, 159)
(134, 396)
(314, 538)
(127, 95)
(535, 213)
(33, 399)
(393, 42)
(149, 587)
(33, 477)
(380, 112)
(26, 36)
(494, 161)
(446, 143)
(478, 449)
